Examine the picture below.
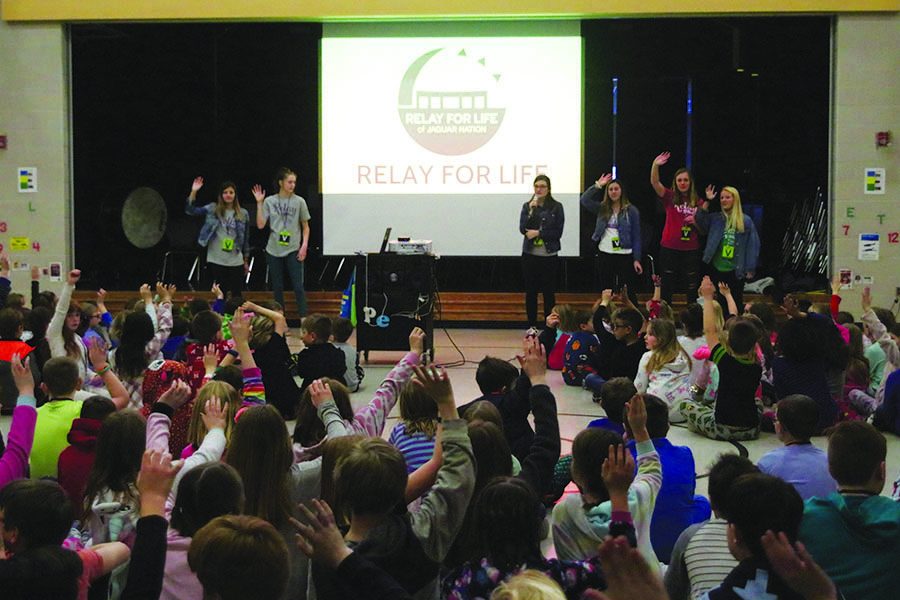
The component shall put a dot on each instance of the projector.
(408, 246)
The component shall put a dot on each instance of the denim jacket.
(551, 227)
(629, 221)
(241, 239)
(746, 243)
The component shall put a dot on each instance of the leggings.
(735, 284)
(230, 279)
(539, 273)
(680, 272)
(617, 270)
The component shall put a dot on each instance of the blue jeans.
(593, 382)
(276, 266)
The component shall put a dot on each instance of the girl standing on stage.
(617, 232)
(732, 245)
(680, 245)
(541, 222)
(225, 236)
(288, 218)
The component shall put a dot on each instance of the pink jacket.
(18, 444)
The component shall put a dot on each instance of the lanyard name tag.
(284, 238)
(616, 244)
(685, 233)
(228, 244)
(727, 251)
(538, 242)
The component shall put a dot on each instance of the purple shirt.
(802, 465)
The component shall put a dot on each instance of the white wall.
(866, 100)
(34, 117)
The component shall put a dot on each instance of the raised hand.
(319, 538)
(417, 341)
(707, 290)
(605, 297)
(618, 470)
(73, 276)
(4, 264)
(866, 299)
(724, 289)
(146, 294)
(240, 327)
(533, 361)
(710, 192)
(604, 179)
(627, 573)
(636, 412)
(196, 184)
(155, 481)
(35, 273)
(97, 355)
(662, 158)
(21, 371)
(177, 394)
(258, 193)
(552, 320)
(210, 359)
(797, 568)
(436, 383)
(213, 415)
(217, 291)
(320, 392)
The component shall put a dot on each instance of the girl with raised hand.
(680, 244)
(224, 234)
(541, 221)
(617, 234)
(260, 451)
(732, 244)
(141, 340)
(288, 218)
(61, 332)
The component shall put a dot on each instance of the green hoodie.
(856, 539)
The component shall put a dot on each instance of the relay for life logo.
(445, 102)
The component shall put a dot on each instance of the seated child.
(319, 358)
(36, 518)
(54, 419)
(665, 369)
(414, 435)
(613, 396)
(854, 535)
(581, 521)
(582, 353)
(343, 329)
(758, 503)
(693, 338)
(799, 462)
(556, 334)
(370, 482)
(677, 507)
(501, 384)
(700, 559)
(206, 329)
(735, 415)
(269, 329)
(622, 349)
(75, 462)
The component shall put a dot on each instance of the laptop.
(384, 242)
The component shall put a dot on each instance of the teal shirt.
(856, 540)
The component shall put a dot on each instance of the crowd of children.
(457, 501)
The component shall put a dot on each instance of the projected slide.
(440, 138)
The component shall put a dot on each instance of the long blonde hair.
(735, 218)
(667, 346)
(231, 402)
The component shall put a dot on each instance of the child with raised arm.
(273, 357)
(620, 350)
(735, 415)
(371, 483)
(581, 521)
(14, 461)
